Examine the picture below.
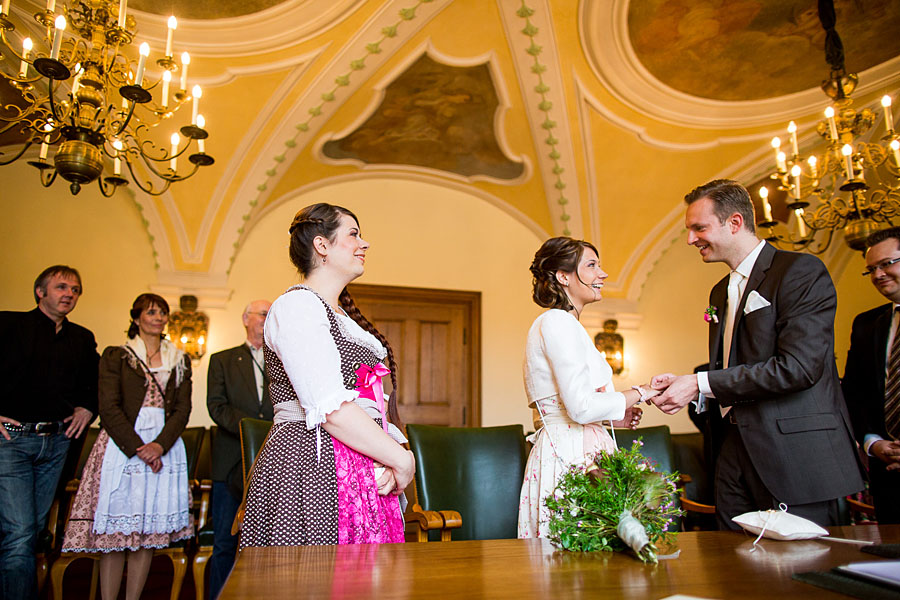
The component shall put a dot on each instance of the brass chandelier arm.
(24, 149)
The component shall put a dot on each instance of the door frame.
(471, 301)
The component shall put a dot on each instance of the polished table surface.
(711, 564)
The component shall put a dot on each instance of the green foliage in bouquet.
(613, 502)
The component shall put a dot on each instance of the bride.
(567, 381)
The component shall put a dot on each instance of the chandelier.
(81, 94)
(853, 185)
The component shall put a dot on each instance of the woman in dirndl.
(332, 469)
(134, 494)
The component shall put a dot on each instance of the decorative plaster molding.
(393, 24)
(423, 176)
(427, 48)
(603, 25)
(287, 24)
(539, 64)
(211, 289)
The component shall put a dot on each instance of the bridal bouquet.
(613, 502)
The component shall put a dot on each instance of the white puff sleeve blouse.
(561, 360)
(298, 331)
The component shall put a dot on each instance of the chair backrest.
(253, 434)
(657, 444)
(204, 463)
(690, 460)
(193, 442)
(475, 471)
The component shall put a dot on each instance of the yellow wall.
(101, 237)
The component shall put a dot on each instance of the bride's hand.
(632, 418)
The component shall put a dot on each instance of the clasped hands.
(676, 391)
(394, 481)
(151, 454)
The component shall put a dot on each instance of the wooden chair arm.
(205, 488)
(697, 507)
(684, 479)
(424, 521)
(861, 507)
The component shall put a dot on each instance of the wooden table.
(711, 565)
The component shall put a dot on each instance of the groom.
(772, 397)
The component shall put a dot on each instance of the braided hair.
(556, 254)
(323, 219)
(349, 306)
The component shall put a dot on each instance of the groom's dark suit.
(782, 385)
(863, 385)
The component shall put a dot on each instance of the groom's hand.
(661, 382)
(681, 390)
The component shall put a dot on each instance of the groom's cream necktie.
(734, 298)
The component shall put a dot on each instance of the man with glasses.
(48, 396)
(872, 378)
(237, 388)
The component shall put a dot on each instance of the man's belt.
(44, 428)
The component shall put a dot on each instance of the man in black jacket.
(872, 378)
(48, 395)
(237, 388)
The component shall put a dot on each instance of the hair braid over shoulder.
(349, 306)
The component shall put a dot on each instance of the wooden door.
(436, 338)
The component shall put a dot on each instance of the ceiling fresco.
(203, 9)
(754, 49)
(435, 116)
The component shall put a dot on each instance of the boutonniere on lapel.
(709, 315)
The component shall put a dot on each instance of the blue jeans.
(224, 508)
(30, 466)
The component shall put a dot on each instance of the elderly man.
(781, 431)
(237, 388)
(872, 378)
(48, 378)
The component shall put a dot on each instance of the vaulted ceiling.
(592, 118)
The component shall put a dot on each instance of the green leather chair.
(477, 472)
(253, 434)
(202, 482)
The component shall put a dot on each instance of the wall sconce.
(611, 345)
(188, 328)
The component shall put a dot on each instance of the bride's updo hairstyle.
(323, 219)
(556, 254)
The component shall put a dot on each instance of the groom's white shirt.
(745, 268)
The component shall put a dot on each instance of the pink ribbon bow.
(368, 384)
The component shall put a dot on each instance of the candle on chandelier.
(122, 5)
(27, 45)
(801, 224)
(117, 163)
(795, 173)
(781, 161)
(847, 151)
(51, 5)
(173, 162)
(45, 143)
(185, 61)
(792, 129)
(895, 150)
(4, 8)
(60, 25)
(767, 208)
(201, 143)
(888, 115)
(812, 167)
(196, 92)
(832, 125)
(145, 52)
(167, 77)
(173, 25)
